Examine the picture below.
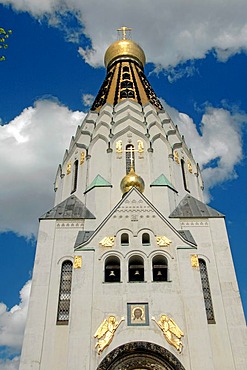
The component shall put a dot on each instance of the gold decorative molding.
(176, 157)
(189, 166)
(119, 148)
(105, 332)
(107, 241)
(77, 262)
(140, 146)
(82, 157)
(171, 331)
(163, 241)
(69, 168)
(194, 260)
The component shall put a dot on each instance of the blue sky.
(54, 66)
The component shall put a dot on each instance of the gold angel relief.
(105, 332)
(171, 331)
(163, 241)
(107, 241)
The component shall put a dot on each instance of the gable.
(134, 212)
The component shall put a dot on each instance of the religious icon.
(137, 314)
(171, 331)
(105, 332)
(68, 168)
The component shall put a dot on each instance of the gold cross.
(124, 31)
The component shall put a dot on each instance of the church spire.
(125, 79)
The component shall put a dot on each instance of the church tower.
(132, 270)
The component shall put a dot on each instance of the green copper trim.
(99, 181)
(162, 181)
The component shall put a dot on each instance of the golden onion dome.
(132, 180)
(124, 48)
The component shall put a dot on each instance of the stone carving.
(171, 331)
(163, 241)
(105, 332)
(154, 355)
(107, 241)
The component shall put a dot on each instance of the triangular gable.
(163, 181)
(71, 207)
(143, 205)
(99, 181)
(190, 207)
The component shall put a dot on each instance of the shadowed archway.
(140, 356)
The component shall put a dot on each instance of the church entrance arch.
(140, 356)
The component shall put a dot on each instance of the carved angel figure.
(105, 332)
(171, 331)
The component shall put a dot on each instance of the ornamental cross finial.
(124, 31)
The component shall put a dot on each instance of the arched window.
(125, 239)
(64, 293)
(126, 69)
(184, 175)
(206, 292)
(160, 268)
(126, 85)
(126, 76)
(127, 93)
(130, 157)
(112, 269)
(145, 239)
(136, 269)
(75, 176)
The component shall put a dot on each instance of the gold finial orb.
(124, 48)
(132, 180)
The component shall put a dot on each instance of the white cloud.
(170, 32)
(12, 322)
(218, 145)
(10, 364)
(31, 147)
(87, 100)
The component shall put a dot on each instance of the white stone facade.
(48, 346)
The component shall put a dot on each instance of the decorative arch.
(140, 355)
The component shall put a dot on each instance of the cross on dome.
(124, 31)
